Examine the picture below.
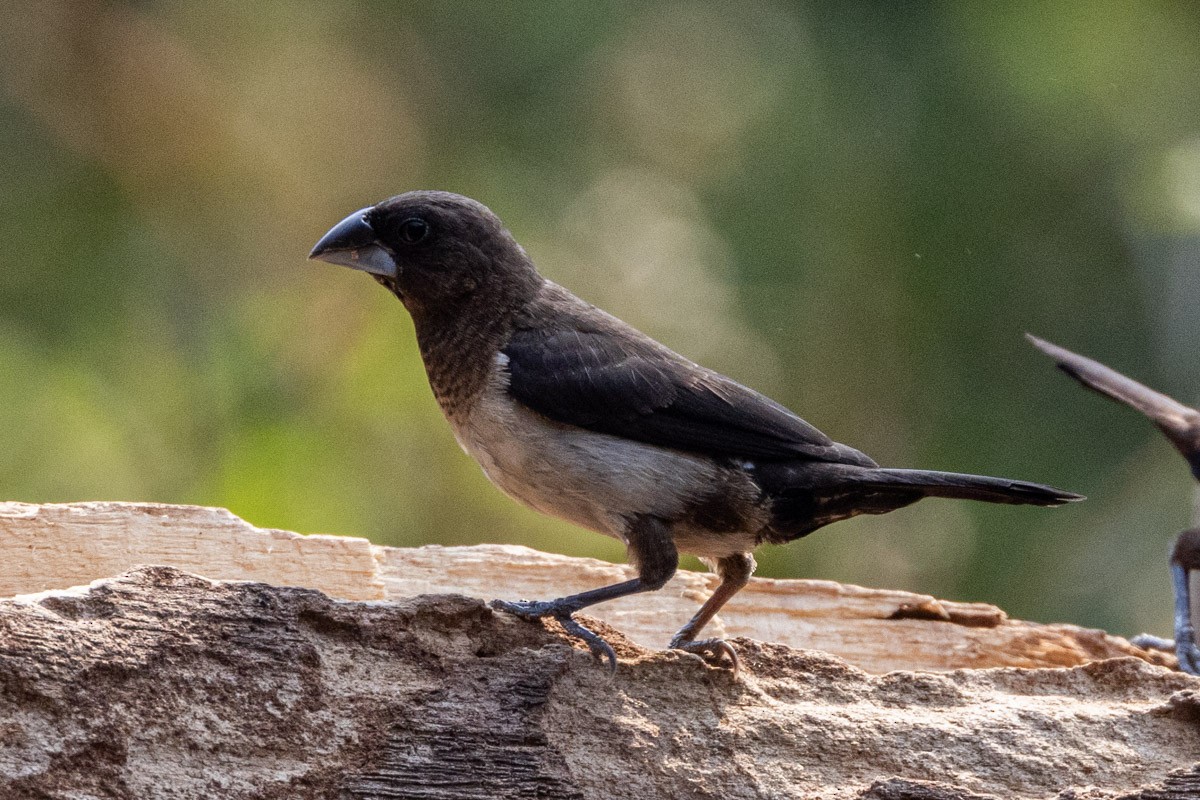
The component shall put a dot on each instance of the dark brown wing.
(607, 377)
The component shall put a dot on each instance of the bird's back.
(576, 364)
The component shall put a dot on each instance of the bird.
(1181, 425)
(580, 416)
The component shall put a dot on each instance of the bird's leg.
(1184, 644)
(651, 549)
(1185, 633)
(1184, 558)
(735, 572)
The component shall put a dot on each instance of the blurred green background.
(855, 207)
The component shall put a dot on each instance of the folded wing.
(612, 379)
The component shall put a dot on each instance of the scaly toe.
(1147, 641)
(539, 609)
(1189, 658)
(713, 651)
(601, 650)
(526, 609)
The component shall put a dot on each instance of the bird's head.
(434, 250)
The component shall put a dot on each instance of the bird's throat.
(459, 358)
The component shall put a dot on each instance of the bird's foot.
(1148, 641)
(1185, 645)
(1189, 657)
(1185, 650)
(533, 609)
(717, 652)
(538, 609)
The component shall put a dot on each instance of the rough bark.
(161, 683)
(164, 684)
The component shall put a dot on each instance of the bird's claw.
(529, 609)
(713, 651)
(1186, 651)
(601, 650)
(1148, 641)
(1189, 658)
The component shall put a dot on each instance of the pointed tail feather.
(807, 495)
(966, 487)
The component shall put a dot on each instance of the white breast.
(592, 479)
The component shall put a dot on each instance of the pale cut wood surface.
(54, 546)
(57, 546)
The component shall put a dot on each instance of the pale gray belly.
(598, 481)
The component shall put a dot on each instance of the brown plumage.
(577, 414)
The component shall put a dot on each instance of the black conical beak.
(352, 243)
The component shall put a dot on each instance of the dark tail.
(964, 487)
(807, 495)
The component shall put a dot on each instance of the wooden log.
(58, 546)
(162, 684)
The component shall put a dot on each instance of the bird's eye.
(414, 230)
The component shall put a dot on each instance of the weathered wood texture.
(58, 546)
(162, 684)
